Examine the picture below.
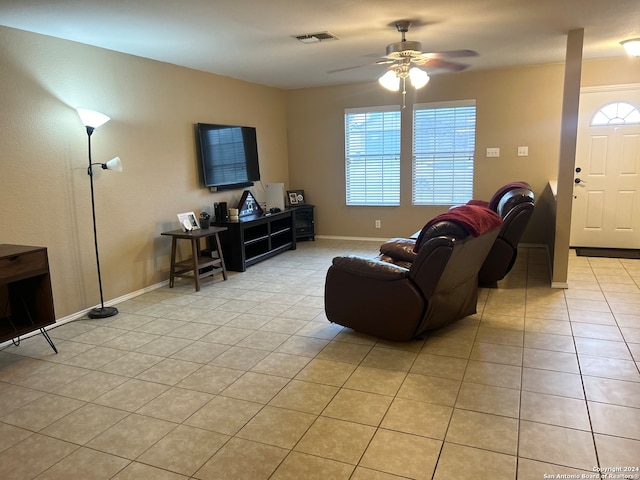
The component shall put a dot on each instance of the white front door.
(606, 203)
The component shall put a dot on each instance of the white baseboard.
(360, 239)
(384, 239)
(533, 245)
(82, 313)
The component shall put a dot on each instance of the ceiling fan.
(412, 51)
(403, 56)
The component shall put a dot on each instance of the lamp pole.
(91, 123)
(102, 312)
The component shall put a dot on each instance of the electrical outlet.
(493, 152)
(378, 224)
(523, 151)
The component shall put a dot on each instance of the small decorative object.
(296, 197)
(248, 206)
(188, 221)
(233, 214)
(205, 220)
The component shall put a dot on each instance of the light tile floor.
(246, 379)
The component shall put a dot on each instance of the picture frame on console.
(296, 197)
(188, 221)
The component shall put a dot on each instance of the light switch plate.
(523, 151)
(493, 152)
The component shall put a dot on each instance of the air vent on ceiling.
(316, 37)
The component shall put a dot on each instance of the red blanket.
(475, 219)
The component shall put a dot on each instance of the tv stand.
(252, 239)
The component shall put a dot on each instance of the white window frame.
(443, 160)
(372, 162)
(616, 113)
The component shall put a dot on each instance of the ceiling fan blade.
(451, 54)
(438, 63)
(379, 62)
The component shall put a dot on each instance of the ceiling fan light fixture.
(632, 46)
(419, 78)
(390, 80)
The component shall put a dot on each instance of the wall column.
(567, 160)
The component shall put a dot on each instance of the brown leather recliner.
(515, 207)
(396, 303)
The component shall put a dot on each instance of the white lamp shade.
(114, 164)
(91, 118)
(419, 78)
(632, 46)
(390, 81)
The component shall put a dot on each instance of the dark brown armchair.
(439, 286)
(515, 207)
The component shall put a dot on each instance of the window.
(618, 113)
(443, 152)
(372, 156)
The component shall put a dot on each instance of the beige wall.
(516, 106)
(519, 106)
(45, 194)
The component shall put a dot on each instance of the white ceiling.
(252, 39)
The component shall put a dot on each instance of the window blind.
(372, 156)
(443, 152)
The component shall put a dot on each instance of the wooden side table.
(26, 300)
(198, 264)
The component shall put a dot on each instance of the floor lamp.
(91, 121)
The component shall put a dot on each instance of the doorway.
(606, 191)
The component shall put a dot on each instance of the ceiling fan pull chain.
(404, 92)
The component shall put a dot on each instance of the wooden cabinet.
(252, 239)
(26, 300)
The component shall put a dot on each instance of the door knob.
(577, 181)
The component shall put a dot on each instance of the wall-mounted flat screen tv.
(229, 155)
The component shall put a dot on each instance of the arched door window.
(617, 113)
